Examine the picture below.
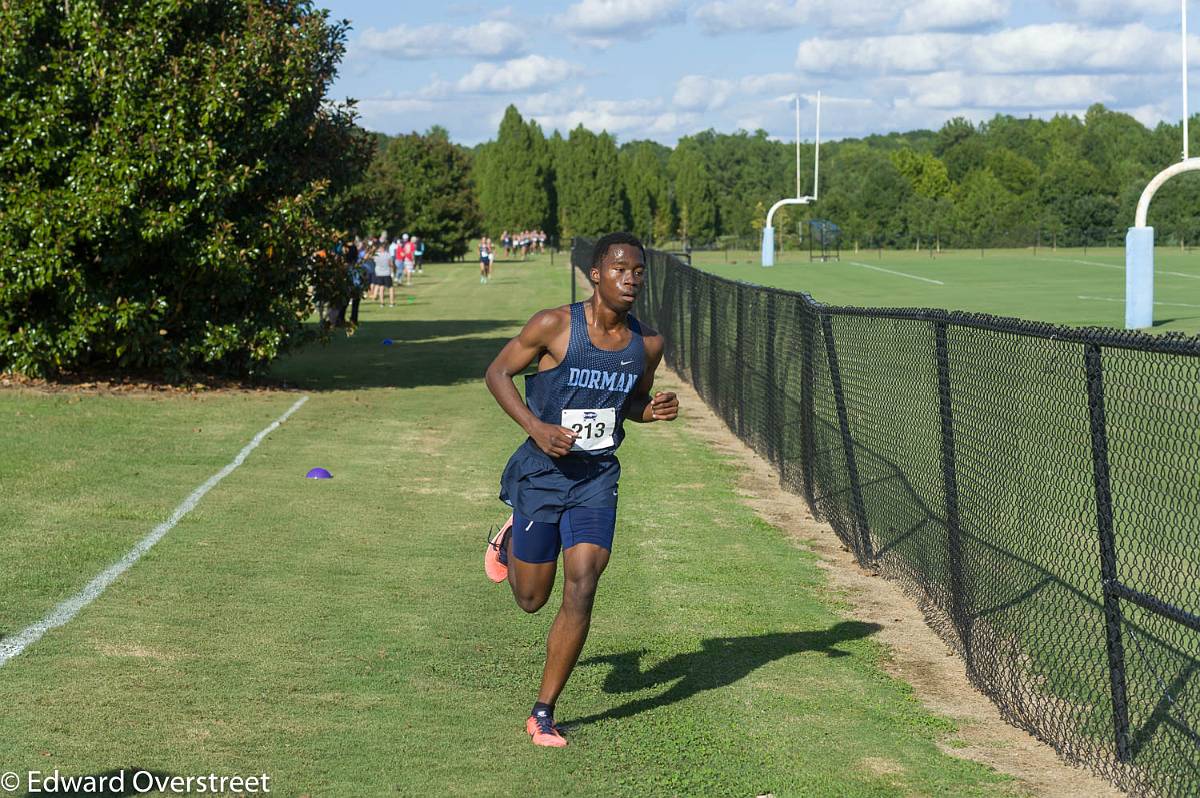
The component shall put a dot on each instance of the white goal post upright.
(1139, 241)
(768, 233)
(1139, 252)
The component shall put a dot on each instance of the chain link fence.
(1035, 488)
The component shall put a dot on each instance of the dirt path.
(918, 655)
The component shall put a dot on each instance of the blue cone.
(318, 473)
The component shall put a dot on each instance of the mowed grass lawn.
(1064, 286)
(340, 635)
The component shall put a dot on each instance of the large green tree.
(515, 176)
(695, 194)
(169, 169)
(590, 200)
(421, 184)
(647, 189)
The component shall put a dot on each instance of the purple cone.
(319, 473)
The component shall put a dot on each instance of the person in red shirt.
(405, 255)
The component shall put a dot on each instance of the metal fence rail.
(1036, 488)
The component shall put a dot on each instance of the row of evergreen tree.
(1005, 182)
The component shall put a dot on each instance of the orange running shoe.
(495, 556)
(543, 731)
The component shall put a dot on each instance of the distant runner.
(486, 256)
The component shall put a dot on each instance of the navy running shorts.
(538, 541)
(545, 490)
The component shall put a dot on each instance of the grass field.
(1024, 482)
(340, 636)
(1066, 286)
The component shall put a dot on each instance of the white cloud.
(488, 39)
(1062, 47)
(767, 16)
(702, 93)
(553, 102)
(520, 74)
(395, 114)
(955, 90)
(602, 21)
(671, 122)
(636, 118)
(770, 82)
(1039, 49)
(1115, 10)
(953, 14)
(1153, 113)
(914, 53)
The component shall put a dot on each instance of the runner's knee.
(579, 590)
(531, 602)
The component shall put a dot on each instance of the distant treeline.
(1004, 182)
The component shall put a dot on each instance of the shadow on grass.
(116, 783)
(720, 662)
(420, 353)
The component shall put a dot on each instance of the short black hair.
(601, 248)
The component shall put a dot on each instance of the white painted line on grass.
(898, 274)
(1122, 268)
(1110, 299)
(64, 612)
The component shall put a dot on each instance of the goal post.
(1139, 277)
(1139, 252)
(768, 232)
(768, 246)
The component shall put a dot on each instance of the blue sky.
(662, 69)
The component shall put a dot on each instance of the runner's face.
(620, 276)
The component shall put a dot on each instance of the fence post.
(739, 367)
(772, 422)
(1108, 550)
(958, 603)
(714, 350)
(662, 300)
(807, 413)
(694, 329)
(835, 376)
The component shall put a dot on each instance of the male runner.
(486, 254)
(596, 366)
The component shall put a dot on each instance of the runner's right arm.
(532, 342)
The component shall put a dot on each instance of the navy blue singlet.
(588, 378)
(588, 391)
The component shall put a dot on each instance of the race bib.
(594, 427)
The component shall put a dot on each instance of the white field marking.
(1110, 299)
(1179, 274)
(898, 274)
(1156, 271)
(1094, 263)
(64, 612)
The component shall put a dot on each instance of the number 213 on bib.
(595, 428)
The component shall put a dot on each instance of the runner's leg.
(531, 582)
(582, 565)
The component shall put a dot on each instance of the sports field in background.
(1064, 286)
(340, 635)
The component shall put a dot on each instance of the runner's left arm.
(664, 405)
